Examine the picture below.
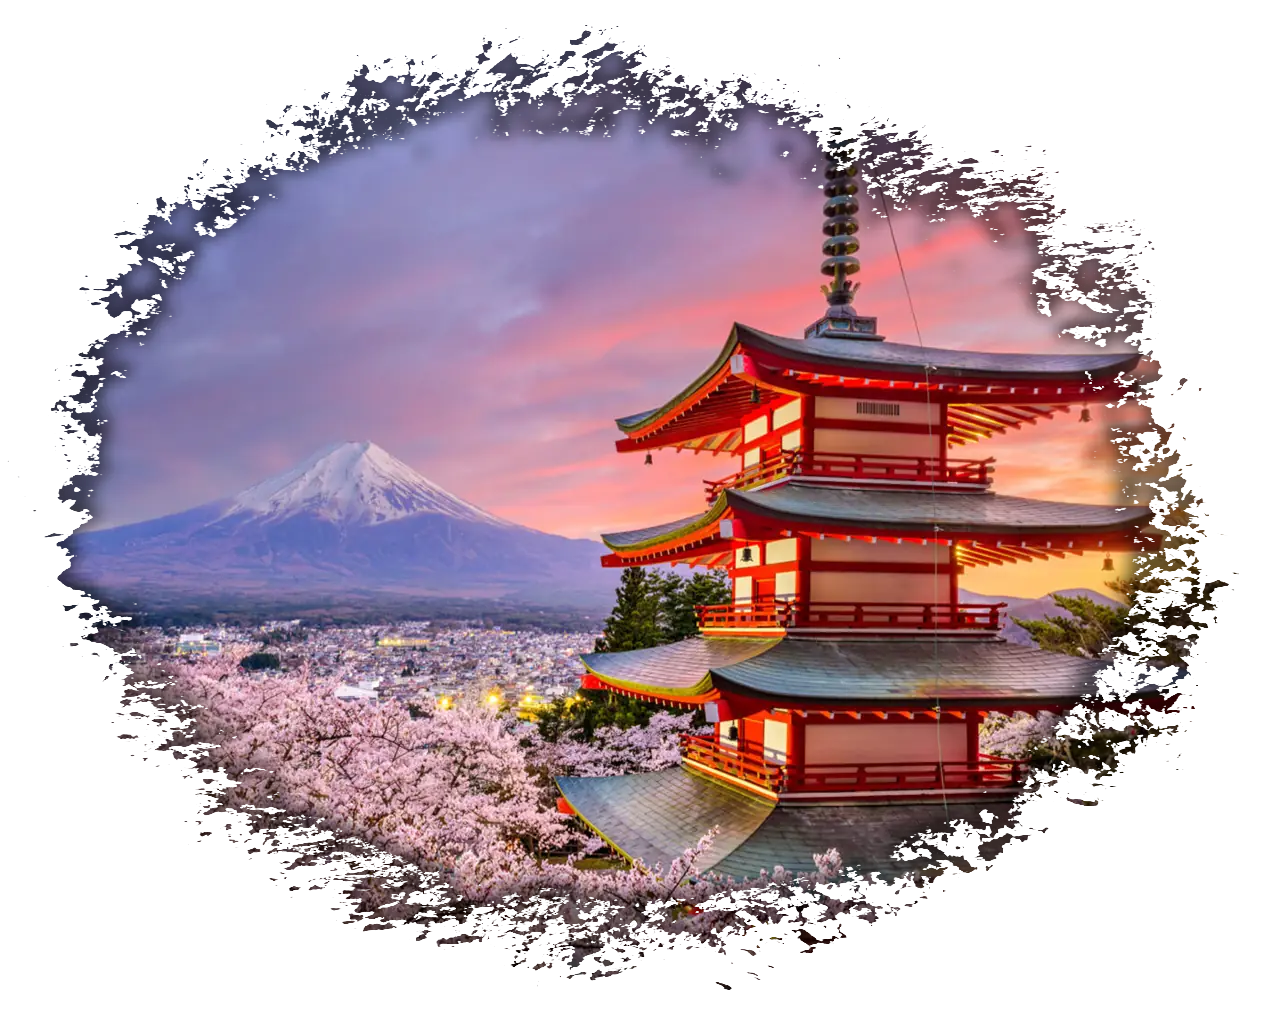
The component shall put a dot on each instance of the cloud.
(483, 308)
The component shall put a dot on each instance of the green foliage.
(651, 608)
(680, 598)
(634, 622)
(1161, 615)
(260, 661)
(654, 608)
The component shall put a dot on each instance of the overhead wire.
(936, 529)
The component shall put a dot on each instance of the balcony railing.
(900, 470)
(749, 767)
(753, 769)
(779, 614)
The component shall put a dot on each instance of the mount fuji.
(351, 517)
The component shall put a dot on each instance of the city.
(411, 661)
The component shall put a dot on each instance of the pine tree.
(1161, 617)
(634, 622)
(681, 599)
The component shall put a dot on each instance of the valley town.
(412, 662)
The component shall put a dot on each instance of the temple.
(847, 680)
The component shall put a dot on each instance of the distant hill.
(1033, 609)
(349, 518)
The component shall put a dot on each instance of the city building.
(399, 640)
(197, 645)
(846, 682)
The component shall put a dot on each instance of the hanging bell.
(1085, 416)
(746, 554)
(649, 459)
(755, 394)
(1108, 563)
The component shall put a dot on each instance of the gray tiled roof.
(680, 665)
(955, 511)
(862, 355)
(916, 672)
(655, 817)
(633, 419)
(866, 835)
(648, 533)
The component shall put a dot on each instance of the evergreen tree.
(1161, 617)
(681, 599)
(634, 622)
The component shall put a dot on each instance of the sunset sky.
(483, 308)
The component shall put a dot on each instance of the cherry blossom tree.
(439, 826)
(654, 746)
(1070, 750)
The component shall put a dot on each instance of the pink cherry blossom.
(443, 827)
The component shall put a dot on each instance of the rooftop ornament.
(840, 248)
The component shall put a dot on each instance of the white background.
(106, 910)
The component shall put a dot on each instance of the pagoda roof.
(657, 534)
(865, 356)
(711, 403)
(895, 672)
(655, 816)
(676, 669)
(964, 512)
(872, 510)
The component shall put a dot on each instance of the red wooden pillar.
(944, 447)
(795, 743)
(803, 576)
(807, 413)
(973, 737)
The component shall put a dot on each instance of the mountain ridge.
(350, 515)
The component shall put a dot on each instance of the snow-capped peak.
(358, 483)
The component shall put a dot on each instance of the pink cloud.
(388, 298)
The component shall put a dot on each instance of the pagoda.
(846, 681)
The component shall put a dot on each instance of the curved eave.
(675, 671)
(757, 697)
(690, 530)
(690, 696)
(880, 359)
(638, 425)
(909, 674)
(840, 510)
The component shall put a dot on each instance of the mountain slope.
(1032, 609)
(355, 483)
(349, 517)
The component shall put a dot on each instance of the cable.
(936, 571)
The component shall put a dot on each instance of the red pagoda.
(847, 680)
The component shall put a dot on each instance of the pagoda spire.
(840, 228)
(840, 247)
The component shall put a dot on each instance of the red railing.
(912, 776)
(769, 469)
(753, 769)
(769, 614)
(900, 469)
(894, 468)
(749, 767)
